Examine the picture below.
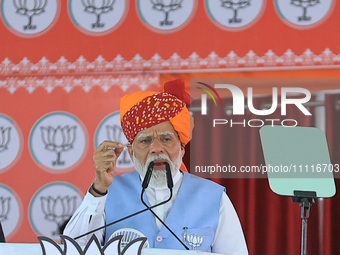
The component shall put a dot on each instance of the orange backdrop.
(67, 70)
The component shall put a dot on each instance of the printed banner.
(64, 65)
(49, 128)
(68, 37)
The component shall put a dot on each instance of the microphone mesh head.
(128, 234)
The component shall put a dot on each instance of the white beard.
(158, 177)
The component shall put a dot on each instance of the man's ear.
(130, 150)
(182, 150)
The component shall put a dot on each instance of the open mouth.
(159, 164)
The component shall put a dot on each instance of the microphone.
(169, 176)
(148, 174)
(170, 186)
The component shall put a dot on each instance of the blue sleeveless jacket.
(196, 207)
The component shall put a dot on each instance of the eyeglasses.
(166, 138)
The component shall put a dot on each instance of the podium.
(35, 249)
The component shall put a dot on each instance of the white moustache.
(158, 178)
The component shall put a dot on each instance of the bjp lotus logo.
(304, 4)
(192, 239)
(99, 16)
(112, 247)
(235, 6)
(11, 211)
(304, 13)
(58, 140)
(4, 208)
(30, 18)
(52, 206)
(166, 7)
(11, 142)
(98, 8)
(235, 14)
(58, 209)
(166, 15)
(5, 134)
(30, 9)
(115, 133)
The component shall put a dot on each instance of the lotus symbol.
(98, 7)
(58, 140)
(193, 240)
(112, 247)
(58, 209)
(4, 208)
(115, 133)
(166, 6)
(5, 136)
(235, 5)
(30, 9)
(304, 4)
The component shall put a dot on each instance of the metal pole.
(305, 208)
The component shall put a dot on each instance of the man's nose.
(156, 146)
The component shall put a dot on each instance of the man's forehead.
(169, 133)
(162, 128)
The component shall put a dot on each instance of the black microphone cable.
(170, 186)
(146, 183)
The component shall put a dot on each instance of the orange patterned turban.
(144, 109)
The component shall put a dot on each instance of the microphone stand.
(121, 219)
(170, 186)
(144, 184)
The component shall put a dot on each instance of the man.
(158, 126)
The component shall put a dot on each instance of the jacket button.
(159, 239)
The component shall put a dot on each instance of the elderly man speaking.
(158, 125)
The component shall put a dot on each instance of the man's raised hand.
(105, 158)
